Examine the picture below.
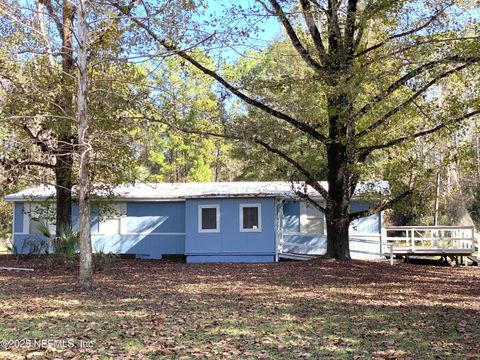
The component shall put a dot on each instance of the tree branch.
(419, 92)
(405, 33)
(349, 35)
(170, 46)
(37, 141)
(305, 197)
(23, 164)
(255, 139)
(51, 13)
(297, 44)
(381, 206)
(369, 149)
(313, 29)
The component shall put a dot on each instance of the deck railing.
(429, 240)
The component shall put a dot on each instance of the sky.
(268, 27)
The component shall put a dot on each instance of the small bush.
(66, 244)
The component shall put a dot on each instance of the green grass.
(323, 309)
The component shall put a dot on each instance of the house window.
(111, 221)
(40, 219)
(250, 218)
(209, 218)
(312, 220)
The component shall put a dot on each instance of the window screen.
(314, 221)
(251, 218)
(41, 220)
(209, 218)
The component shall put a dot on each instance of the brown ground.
(318, 309)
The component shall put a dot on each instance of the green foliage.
(5, 220)
(187, 101)
(66, 245)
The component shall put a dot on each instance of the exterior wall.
(229, 244)
(148, 230)
(364, 234)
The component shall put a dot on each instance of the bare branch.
(297, 44)
(267, 109)
(254, 139)
(313, 29)
(419, 92)
(381, 206)
(400, 140)
(405, 33)
(412, 74)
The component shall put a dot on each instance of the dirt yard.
(319, 309)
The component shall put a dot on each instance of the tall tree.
(375, 62)
(84, 146)
(185, 98)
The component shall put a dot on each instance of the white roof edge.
(182, 191)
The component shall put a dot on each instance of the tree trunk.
(337, 217)
(338, 178)
(338, 246)
(63, 182)
(86, 270)
(64, 158)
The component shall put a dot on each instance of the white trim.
(13, 224)
(259, 207)
(295, 233)
(208, 206)
(26, 218)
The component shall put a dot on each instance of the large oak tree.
(376, 64)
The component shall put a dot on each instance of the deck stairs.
(292, 256)
(474, 259)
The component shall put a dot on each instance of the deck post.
(478, 246)
(391, 254)
(412, 236)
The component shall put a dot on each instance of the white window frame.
(28, 208)
(121, 208)
(259, 206)
(208, 206)
(304, 218)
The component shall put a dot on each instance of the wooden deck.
(448, 241)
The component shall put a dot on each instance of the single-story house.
(205, 222)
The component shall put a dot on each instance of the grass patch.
(320, 309)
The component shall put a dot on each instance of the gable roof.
(181, 191)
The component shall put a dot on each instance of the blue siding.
(156, 217)
(360, 246)
(145, 224)
(305, 244)
(291, 216)
(18, 218)
(230, 241)
(149, 246)
(366, 225)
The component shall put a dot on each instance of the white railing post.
(391, 254)
(478, 246)
(412, 237)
